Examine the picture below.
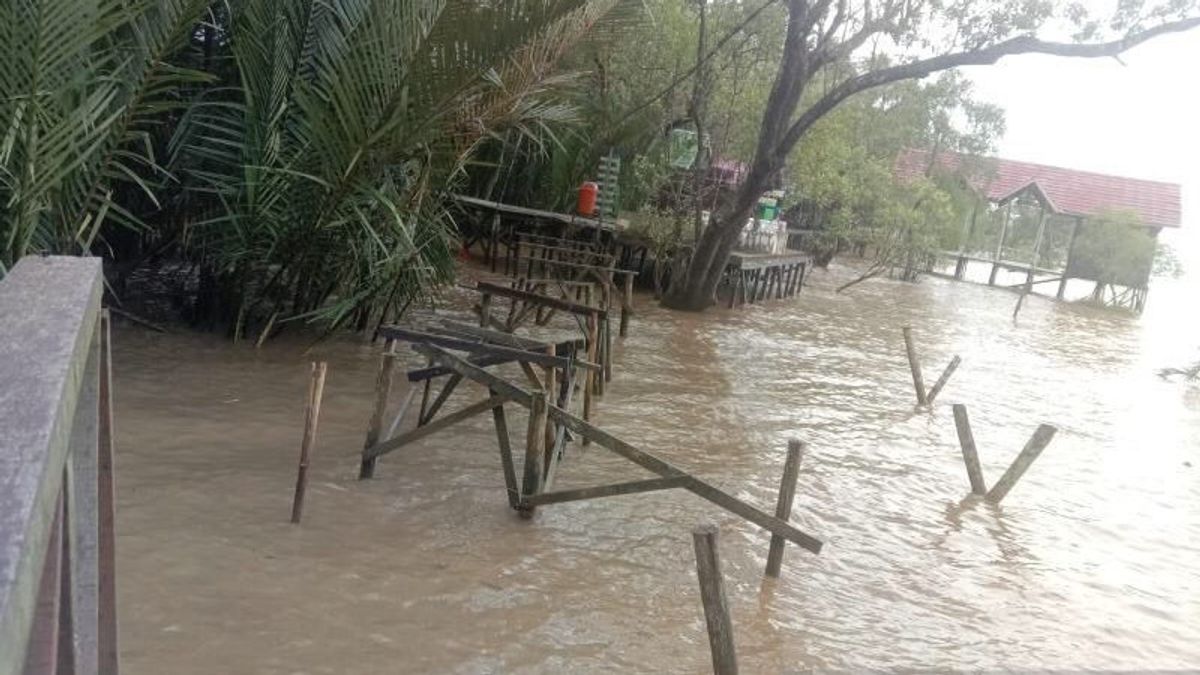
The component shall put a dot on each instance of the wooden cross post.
(783, 508)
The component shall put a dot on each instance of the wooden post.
(589, 379)
(966, 440)
(1000, 244)
(1062, 284)
(783, 508)
(383, 387)
(712, 595)
(534, 437)
(626, 304)
(312, 412)
(941, 381)
(915, 366)
(1038, 442)
(485, 310)
(548, 380)
(1037, 250)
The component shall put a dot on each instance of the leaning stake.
(783, 508)
(312, 411)
(712, 595)
(1038, 442)
(966, 440)
(915, 366)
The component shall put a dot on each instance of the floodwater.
(1093, 561)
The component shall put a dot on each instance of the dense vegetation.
(289, 160)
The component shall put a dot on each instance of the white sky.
(1140, 120)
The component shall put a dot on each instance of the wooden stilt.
(383, 387)
(1038, 442)
(550, 460)
(312, 412)
(626, 304)
(915, 366)
(712, 596)
(534, 438)
(506, 458)
(966, 440)
(783, 508)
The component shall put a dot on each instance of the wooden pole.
(783, 508)
(712, 595)
(1000, 243)
(626, 304)
(534, 437)
(915, 366)
(966, 440)
(548, 379)
(383, 387)
(941, 381)
(312, 412)
(1038, 442)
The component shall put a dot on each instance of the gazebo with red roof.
(1061, 194)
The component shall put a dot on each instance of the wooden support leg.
(783, 508)
(534, 437)
(966, 440)
(383, 387)
(485, 310)
(941, 381)
(626, 304)
(712, 596)
(1038, 442)
(608, 359)
(550, 461)
(312, 412)
(506, 458)
(915, 366)
(588, 386)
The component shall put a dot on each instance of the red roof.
(1077, 193)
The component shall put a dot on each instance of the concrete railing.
(57, 572)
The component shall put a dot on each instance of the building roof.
(1067, 191)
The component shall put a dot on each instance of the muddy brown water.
(1091, 562)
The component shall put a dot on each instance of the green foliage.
(1113, 248)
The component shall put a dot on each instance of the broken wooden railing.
(926, 396)
(539, 476)
(966, 439)
(57, 546)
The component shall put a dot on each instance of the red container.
(587, 198)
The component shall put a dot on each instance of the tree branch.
(1024, 44)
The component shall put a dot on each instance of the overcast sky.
(1140, 119)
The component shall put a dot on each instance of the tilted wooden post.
(312, 412)
(712, 595)
(783, 508)
(626, 304)
(941, 381)
(915, 366)
(535, 437)
(1038, 442)
(383, 388)
(966, 440)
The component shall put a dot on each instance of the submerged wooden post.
(383, 387)
(915, 366)
(941, 381)
(626, 304)
(966, 440)
(1038, 442)
(312, 412)
(783, 508)
(535, 436)
(712, 595)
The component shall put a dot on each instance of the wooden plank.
(544, 300)
(474, 373)
(459, 344)
(312, 413)
(915, 366)
(506, 458)
(495, 336)
(383, 387)
(712, 596)
(631, 487)
(692, 484)
(783, 507)
(438, 402)
(966, 441)
(1038, 442)
(943, 379)
(418, 433)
